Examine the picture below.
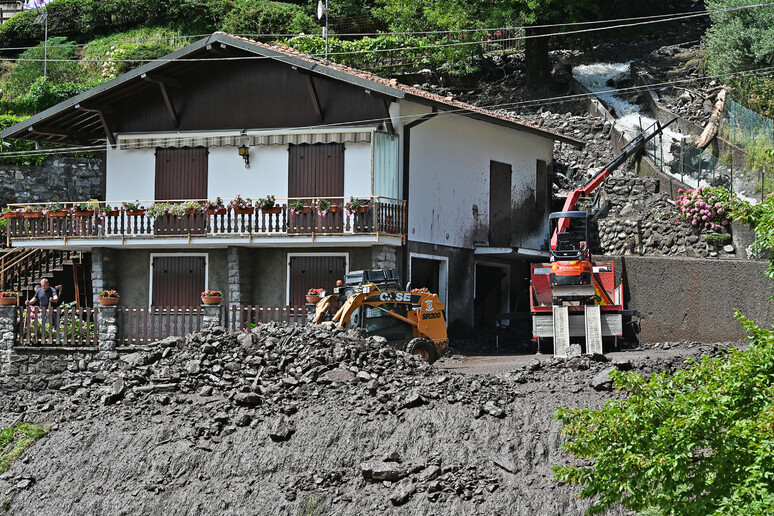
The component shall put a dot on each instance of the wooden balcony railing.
(376, 216)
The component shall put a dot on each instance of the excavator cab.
(571, 270)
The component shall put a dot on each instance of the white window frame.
(159, 255)
(443, 275)
(293, 255)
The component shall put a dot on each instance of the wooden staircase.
(22, 268)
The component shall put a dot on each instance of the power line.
(638, 21)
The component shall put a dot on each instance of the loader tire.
(422, 347)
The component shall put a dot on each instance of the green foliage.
(44, 93)
(760, 218)
(108, 57)
(755, 92)
(29, 67)
(266, 17)
(757, 154)
(740, 40)
(15, 440)
(696, 442)
(7, 121)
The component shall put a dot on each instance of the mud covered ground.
(283, 421)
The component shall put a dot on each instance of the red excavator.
(573, 297)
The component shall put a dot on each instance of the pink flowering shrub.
(706, 207)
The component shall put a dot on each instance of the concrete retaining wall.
(684, 298)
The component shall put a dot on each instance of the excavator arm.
(592, 184)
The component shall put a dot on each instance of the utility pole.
(322, 8)
(40, 6)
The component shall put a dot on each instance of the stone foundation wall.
(39, 369)
(58, 179)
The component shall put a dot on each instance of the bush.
(708, 207)
(266, 17)
(25, 73)
(108, 57)
(44, 93)
(699, 441)
(16, 145)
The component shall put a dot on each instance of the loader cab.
(571, 244)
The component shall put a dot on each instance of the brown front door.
(178, 281)
(316, 171)
(314, 272)
(499, 204)
(181, 174)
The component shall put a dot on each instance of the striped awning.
(237, 140)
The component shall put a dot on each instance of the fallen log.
(711, 129)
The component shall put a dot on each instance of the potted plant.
(108, 297)
(241, 206)
(193, 207)
(133, 208)
(212, 297)
(313, 295)
(55, 209)
(32, 212)
(162, 209)
(9, 297)
(267, 205)
(355, 206)
(297, 208)
(322, 206)
(107, 211)
(83, 209)
(9, 213)
(215, 207)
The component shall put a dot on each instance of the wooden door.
(314, 272)
(178, 280)
(499, 204)
(316, 171)
(181, 174)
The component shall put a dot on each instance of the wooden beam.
(94, 108)
(315, 98)
(50, 131)
(164, 93)
(110, 136)
(169, 81)
(387, 117)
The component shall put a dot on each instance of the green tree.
(739, 40)
(760, 218)
(266, 17)
(696, 442)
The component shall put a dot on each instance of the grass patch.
(5, 504)
(313, 506)
(15, 440)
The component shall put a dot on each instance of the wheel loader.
(414, 321)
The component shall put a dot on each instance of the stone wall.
(58, 179)
(38, 369)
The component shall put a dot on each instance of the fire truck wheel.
(422, 347)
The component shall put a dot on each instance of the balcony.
(178, 223)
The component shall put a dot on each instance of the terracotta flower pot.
(84, 213)
(6, 301)
(220, 211)
(12, 214)
(108, 301)
(58, 213)
(313, 299)
(212, 300)
(135, 213)
(192, 211)
(362, 209)
(334, 208)
(272, 209)
(112, 213)
(32, 214)
(244, 211)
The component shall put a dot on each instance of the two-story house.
(456, 197)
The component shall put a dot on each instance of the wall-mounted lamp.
(245, 153)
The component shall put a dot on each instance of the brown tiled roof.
(410, 90)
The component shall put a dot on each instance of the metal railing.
(376, 215)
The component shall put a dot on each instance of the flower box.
(334, 208)
(7, 301)
(111, 213)
(84, 213)
(362, 209)
(135, 213)
(313, 299)
(273, 209)
(219, 211)
(108, 301)
(192, 211)
(32, 214)
(244, 211)
(12, 214)
(212, 300)
(58, 213)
